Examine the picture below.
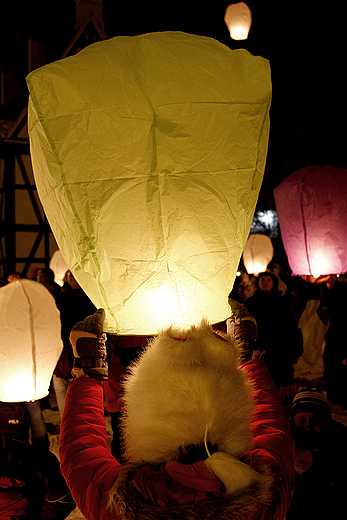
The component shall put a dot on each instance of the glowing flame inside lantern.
(19, 385)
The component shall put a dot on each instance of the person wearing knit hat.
(205, 434)
(320, 458)
(310, 408)
(311, 400)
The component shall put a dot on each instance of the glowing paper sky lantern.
(238, 18)
(58, 266)
(148, 154)
(312, 211)
(257, 254)
(30, 341)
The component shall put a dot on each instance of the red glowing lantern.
(312, 212)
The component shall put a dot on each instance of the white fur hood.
(187, 389)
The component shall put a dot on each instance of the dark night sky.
(306, 47)
(303, 40)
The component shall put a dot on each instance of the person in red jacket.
(205, 434)
(31, 484)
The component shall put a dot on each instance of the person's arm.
(86, 462)
(272, 440)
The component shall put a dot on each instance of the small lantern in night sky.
(238, 18)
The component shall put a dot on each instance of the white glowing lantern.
(30, 341)
(238, 18)
(59, 267)
(258, 252)
(149, 174)
(312, 211)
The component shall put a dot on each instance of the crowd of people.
(297, 450)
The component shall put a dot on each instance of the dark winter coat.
(320, 490)
(74, 305)
(278, 334)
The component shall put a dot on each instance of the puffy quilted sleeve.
(86, 462)
(273, 443)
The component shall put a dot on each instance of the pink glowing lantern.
(312, 212)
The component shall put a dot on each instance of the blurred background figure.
(45, 276)
(332, 311)
(320, 458)
(31, 484)
(74, 305)
(244, 287)
(278, 333)
(13, 277)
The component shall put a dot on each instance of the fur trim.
(235, 474)
(258, 497)
(184, 384)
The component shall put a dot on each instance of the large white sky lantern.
(312, 211)
(258, 253)
(148, 154)
(30, 341)
(238, 18)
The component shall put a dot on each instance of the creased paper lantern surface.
(312, 212)
(30, 341)
(148, 154)
(258, 253)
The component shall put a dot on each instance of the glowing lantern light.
(312, 211)
(238, 18)
(257, 254)
(30, 341)
(149, 172)
(59, 267)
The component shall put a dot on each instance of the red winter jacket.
(174, 488)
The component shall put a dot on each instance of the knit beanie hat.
(187, 389)
(311, 400)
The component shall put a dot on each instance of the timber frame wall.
(26, 239)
